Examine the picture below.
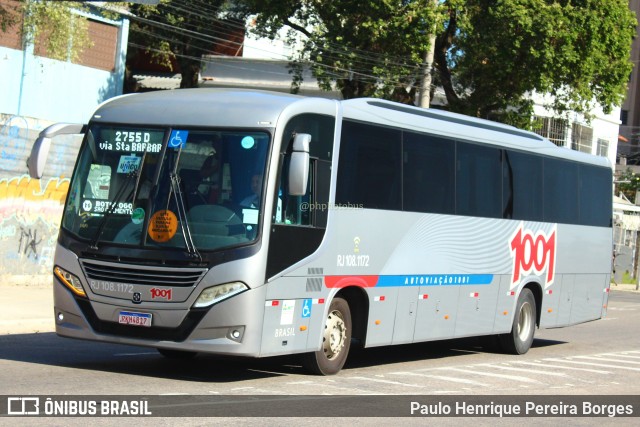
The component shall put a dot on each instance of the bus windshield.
(180, 188)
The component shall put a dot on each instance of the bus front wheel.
(336, 340)
(519, 340)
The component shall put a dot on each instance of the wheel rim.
(524, 321)
(335, 335)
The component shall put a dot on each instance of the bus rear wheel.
(519, 340)
(336, 341)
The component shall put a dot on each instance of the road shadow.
(49, 349)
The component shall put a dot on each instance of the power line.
(365, 57)
(355, 64)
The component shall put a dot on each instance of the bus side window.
(295, 210)
(310, 210)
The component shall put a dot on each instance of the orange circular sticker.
(163, 226)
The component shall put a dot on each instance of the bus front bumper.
(230, 327)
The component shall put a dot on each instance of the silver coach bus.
(257, 224)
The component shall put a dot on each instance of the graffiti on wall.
(13, 137)
(30, 209)
(30, 213)
(28, 200)
(29, 238)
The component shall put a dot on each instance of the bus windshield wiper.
(182, 212)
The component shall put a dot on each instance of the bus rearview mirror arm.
(299, 166)
(40, 150)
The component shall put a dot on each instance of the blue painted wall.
(34, 93)
(51, 90)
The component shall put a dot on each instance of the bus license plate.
(134, 319)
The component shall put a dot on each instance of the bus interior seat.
(212, 219)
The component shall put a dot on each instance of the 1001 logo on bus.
(533, 253)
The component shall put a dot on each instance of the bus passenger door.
(299, 222)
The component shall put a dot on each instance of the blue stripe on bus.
(435, 280)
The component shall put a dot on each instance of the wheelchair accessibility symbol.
(178, 138)
(306, 308)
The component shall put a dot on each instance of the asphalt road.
(595, 358)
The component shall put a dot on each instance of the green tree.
(364, 48)
(180, 31)
(489, 55)
(7, 18)
(61, 33)
(628, 183)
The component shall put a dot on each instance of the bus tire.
(336, 340)
(519, 340)
(176, 354)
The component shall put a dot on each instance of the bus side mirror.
(40, 149)
(299, 165)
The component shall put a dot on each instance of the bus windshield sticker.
(178, 138)
(163, 226)
(137, 216)
(250, 216)
(248, 142)
(98, 182)
(128, 164)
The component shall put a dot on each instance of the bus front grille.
(142, 274)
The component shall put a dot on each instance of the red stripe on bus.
(344, 281)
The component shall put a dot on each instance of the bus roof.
(459, 126)
(197, 107)
(252, 108)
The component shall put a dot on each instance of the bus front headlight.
(70, 281)
(218, 293)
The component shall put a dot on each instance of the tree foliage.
(172, 31)
(365, 48)
(490, 55)
(63, 33)
(7, 18)
(58, 31)
(628, 183)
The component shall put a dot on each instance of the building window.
(553, 129)
(602, 149)
(624, 116)
(581, 138)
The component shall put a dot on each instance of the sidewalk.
(26, 304)
(624, 287)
